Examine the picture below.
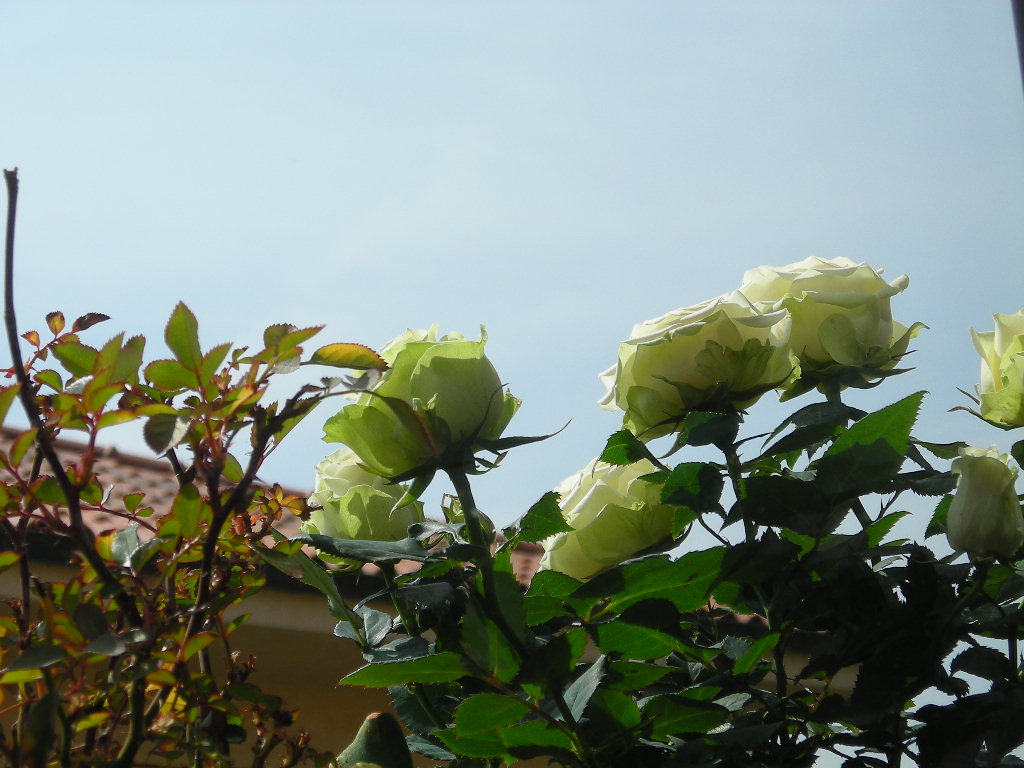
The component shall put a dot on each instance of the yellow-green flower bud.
(1001, 389)
(429, 409)
(985, 516)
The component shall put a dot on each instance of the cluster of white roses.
(818, 322)
(822, 323)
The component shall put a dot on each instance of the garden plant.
(809, 626)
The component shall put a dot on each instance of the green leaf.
(634, 642)
(536, 738)
(547, 596)
(673, 716)
(578, 694)
(478, 745)
(755, 653)
(7, 395)
(212, 361)
(300, 566)
(946, 451)
(624, 448)
(937, 525)
(170, 376)
(987, 663)
(164, 431)
(7, 559)
(90, 620)
(695, 485)
(77, 358)
(88, 320)
(789, 502)
(107, 644)
(186, 509)
(626, 675)
(366, 551)
(354, 356)
(125, 543)
(1017, 451)
(685, 582)
(38, 657)
(486, 645)
(487, 712)
(439, 668)
(891, 424)
(21, 444)
(55, 322)
(196, 643)
(858, 469)
(182, 337)
(543, 519)
(708, 428)
(113, 418)
(50, 378)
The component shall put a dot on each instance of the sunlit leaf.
(170, 375)
(355, 356)
(543, 519)
(164, 431)
(182, 337)
(7, 395)
(77, 358)
(55, 322)
(88, 320)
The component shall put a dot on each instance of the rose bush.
(843, 331)
(439, 397)
(985, 515)
(1001, 389)
(724, 353)
(350, 503)
(614, 514)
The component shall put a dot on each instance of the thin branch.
(81, 534)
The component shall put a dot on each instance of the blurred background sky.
(556, 171)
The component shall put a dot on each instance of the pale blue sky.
(557, 171)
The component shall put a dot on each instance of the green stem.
(412, 627)
(735, 470)
(484, 561)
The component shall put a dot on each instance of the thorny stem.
(80, 533)
(485, 563)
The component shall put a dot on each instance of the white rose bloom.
(1001, 388)
(985, 517)
(614, 515)
(723, 353)
(842, 320)
(356, 504)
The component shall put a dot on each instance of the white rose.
(985, 516)
(614, 515)
(429, 409)
(842, 321)
(724, 353)
(356, 504)
(1001, 389)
